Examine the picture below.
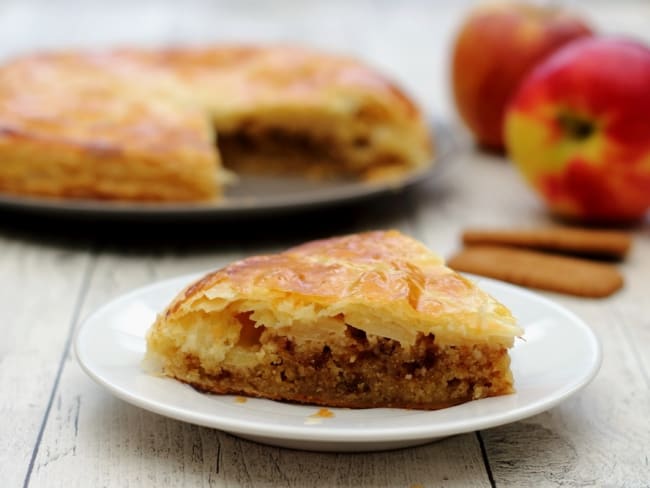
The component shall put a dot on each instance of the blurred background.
(366, 28)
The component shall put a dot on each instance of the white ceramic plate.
(559, 356)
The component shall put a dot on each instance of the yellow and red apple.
(498, 44)
(579, 130)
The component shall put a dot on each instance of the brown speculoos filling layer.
(360, 372)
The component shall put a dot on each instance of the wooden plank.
(599, 437)
(631, 310)
(39, 290)
(82, 408)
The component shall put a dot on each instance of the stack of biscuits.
(564, 260)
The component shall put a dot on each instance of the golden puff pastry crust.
(366, 320)
(160, 124)
(94, 126)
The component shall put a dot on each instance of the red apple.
(579, 129)
(497, 45)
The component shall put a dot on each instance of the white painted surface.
(600, 437)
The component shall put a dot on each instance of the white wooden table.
(58, 428)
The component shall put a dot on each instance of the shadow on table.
(202, 232)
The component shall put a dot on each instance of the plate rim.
(351, 435)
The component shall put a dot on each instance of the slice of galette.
(365, 320)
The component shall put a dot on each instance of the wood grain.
(39, 289)
(79, 435)
(590, 439)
